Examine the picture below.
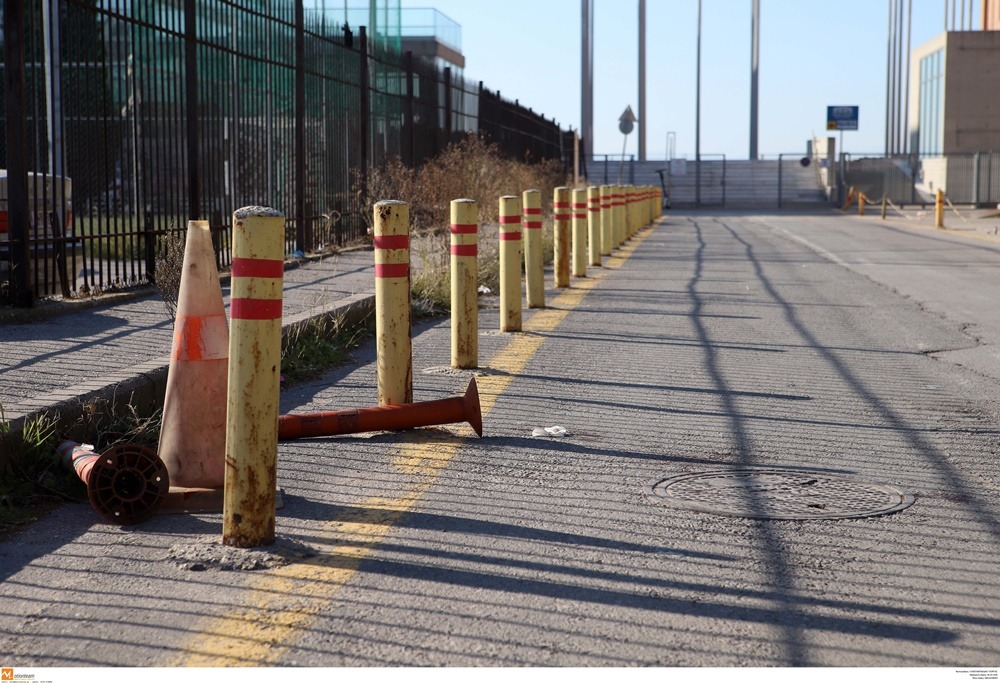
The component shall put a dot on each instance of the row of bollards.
(587, 225)
(236, 448)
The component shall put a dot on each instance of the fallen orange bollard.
(126, 484)
(385, 418)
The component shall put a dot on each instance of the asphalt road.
(720, 342)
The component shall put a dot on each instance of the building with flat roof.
(955, 94)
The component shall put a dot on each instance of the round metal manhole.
(779, 494)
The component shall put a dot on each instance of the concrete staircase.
(739, 184)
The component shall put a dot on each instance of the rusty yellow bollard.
(561, 217)
(618, 214)
(862, 199)
(464, 278)
(607, 221)
(510, 264)
(579, 233)
(885, 201)
(534, 259)
(594, 225)
(393, 345)
(254, 378)
(939, 209)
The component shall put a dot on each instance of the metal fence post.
(779, 179)
(409, 154)
(724, 179)
(447, 106)
(191, 109)
(300, 128)
(149, 246)
(365, 113)
(15, 30)
(975, 180)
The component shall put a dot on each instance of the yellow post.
(607, 221)
(939, 209)
(618, 215)
(862, 199)
(579, 233)
(885, 201)
(254, 378)
(594, 225)
(561, 216)
(633, 219)
(393, 346)
(534, 259)
(464, 278)
(510, 264)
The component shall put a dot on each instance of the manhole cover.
(779, 494)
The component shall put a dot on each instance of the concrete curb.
(144, 385)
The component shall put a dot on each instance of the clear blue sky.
(814, 53)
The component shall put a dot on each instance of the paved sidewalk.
(718, 345)
(101, 352)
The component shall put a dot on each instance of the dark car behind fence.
(160, 112)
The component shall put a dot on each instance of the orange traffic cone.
(193, 431)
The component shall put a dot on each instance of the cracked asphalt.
(714, 342)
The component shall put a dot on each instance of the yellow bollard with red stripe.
(938, 208)
(254, 377)
(607, 221)
(534, 258)
(510, 264)
(579, 207)
(393, 345)
(594, 225)
(627, 210)
(464, 279)
(193, 424)
(618, 215)
(560, 227)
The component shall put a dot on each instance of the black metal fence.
(161, 111)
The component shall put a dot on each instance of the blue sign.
(842, 118)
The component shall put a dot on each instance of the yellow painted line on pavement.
(283, 602)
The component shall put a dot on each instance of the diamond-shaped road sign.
(626, 122)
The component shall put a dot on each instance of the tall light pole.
(697, 117)
(754, 65)
(642, 80)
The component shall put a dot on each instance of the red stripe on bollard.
(510, 235)
(258, 267)
(510, 220)
(392, 269)
(560, 205)
(533, 225)
(532, 212)
(255, 309)
(466, 229)
(392, 242)
(560, 217)
(464, 250)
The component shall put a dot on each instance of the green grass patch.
(323, 343)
